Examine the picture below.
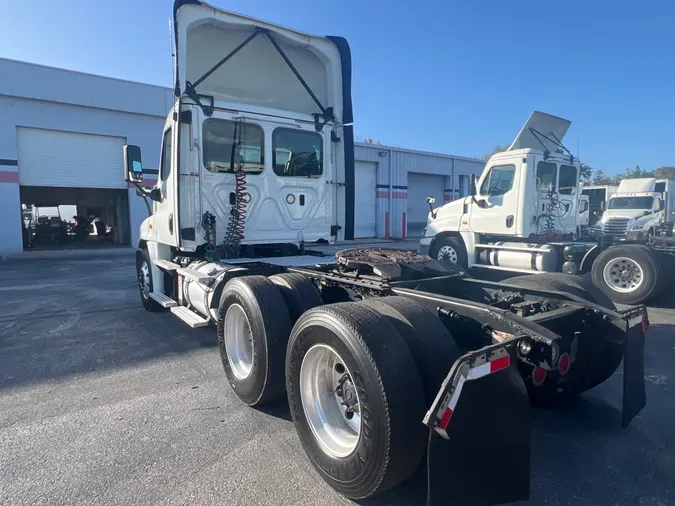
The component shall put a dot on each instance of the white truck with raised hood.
(385, 356)
(526, 216)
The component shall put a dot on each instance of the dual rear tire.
(358, 376)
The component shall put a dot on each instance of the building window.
(297, 153)
(546, 177)
(231, 144)
(499, 180)
(165, 169)
(567, 180)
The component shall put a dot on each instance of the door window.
(229, 145)
(546, 177)
(165, 169)
(297, 153)
(567, 180)
(499, 180)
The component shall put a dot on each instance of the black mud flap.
(634, 394)
(480, 453)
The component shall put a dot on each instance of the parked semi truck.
(598, 196)
(384, 356)
(525, 215)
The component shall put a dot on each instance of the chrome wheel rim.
(330, 401)
(623, 275)
(447, 254)
(238, 341)
(144, 279)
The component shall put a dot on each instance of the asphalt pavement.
(102, 402)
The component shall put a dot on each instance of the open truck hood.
(541, 131)
(257, 74)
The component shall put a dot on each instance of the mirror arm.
(145, 195)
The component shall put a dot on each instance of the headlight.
(639, 226)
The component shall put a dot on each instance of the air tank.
(518, 255)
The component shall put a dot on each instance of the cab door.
(495, 209)
(165, 212)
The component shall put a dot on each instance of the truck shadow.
(580, 454)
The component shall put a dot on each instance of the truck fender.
(588, 259)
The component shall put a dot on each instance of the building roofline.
(385, 147)
(89, 74)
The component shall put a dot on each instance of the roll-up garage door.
(365, 215)
(421, 186)
(56, 158)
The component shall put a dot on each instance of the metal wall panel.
(68, 159)
(394, 164)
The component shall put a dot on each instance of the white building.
(61, 138)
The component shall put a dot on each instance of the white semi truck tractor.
(526, 216)
(384, 356)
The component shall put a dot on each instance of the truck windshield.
(631, 203)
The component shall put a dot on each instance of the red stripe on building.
(7, 176)
(382, 195)
(399, 195)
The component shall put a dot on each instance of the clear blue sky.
(448, 75)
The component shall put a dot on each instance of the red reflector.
(500, 363)
(445, 419)
(645, 325)
(564, 364)
(538, 375)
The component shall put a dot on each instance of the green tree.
(586, 172)
(667, 172)
(368, 140)
(600, 178)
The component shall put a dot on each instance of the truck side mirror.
(602, 206)
(472, 188)
(662, 205)
(430, 201)
(133, 166)
(482, 203)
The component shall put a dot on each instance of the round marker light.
(564, 364)
(290, 199)
(538, 375)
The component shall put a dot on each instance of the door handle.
(171, 223)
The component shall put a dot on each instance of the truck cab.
(528, 192)
(243, 162)
(638, 208)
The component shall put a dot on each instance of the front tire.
(377, 380)
(450, 249)
(144, 277)
(628, 274)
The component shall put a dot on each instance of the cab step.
(194, 275)
(166, 265)
(163, 300)
(192, 319)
